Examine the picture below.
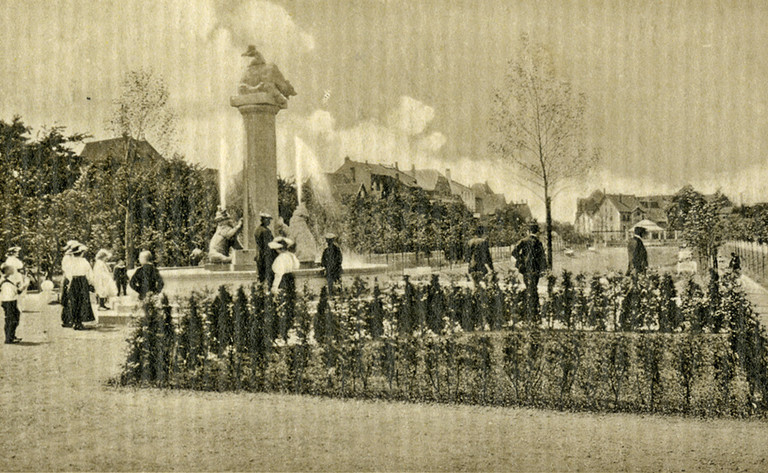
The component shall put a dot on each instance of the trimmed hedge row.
(354, 346)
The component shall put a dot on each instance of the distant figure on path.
(120, 275)
(147, 278)
(735, 264)
(225, 238)
(102, 279)
(331, 261)
(284, 265)
(9, 295)
(79, 293)
(531, 261)
(265, 254)
(637, 256)
(479, 255)
(12, 257)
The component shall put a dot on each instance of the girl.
(102, 279)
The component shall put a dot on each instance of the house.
(611, 217)
(487, 202)
(466, 194)
(522, 209)
(97, 151)
(371, 179)
(442, 188)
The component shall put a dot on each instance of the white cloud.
(321, 121)
(411, 116)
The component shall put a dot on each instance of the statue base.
(244, 260)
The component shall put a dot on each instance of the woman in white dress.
(103, 282)
(284, 265)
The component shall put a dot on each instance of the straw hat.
(280, 243)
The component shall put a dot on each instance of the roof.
(383, 170)
(649, 225)
(624, 202)
(99, 150)
(589, 205)
(426, 178)
(522, 209)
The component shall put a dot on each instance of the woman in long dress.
(102, 279)
(79, 289)
(66, 309)
(284, 265)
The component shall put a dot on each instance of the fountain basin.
(180, 281)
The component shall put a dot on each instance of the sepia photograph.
(384, 235)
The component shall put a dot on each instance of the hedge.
(409, 343)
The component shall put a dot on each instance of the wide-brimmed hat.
(103, 254)
(79, 249)
(221, 216)
(264, 215)
(13, 250)
(70, 245)
(330, 236)
(533, 227)
(280, 243)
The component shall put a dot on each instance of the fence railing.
(433, 258)
(753, 256)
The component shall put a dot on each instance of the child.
(103, 283)
(120, 276)
(147, 278)
(9, 295)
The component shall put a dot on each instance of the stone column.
(260, 165)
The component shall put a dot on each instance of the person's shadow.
(31, 344)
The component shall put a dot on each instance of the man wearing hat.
(637, 256)
(479, 255)
(531, 261)
(265, 255)
(225, 238)
(331, 261)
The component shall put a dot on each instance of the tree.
(141, 112)
(702, 221)
(537, 123)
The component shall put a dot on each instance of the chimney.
(396, 166)
(346, 159)
(448, 174)
(413, 167)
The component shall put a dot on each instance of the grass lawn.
(58, 414)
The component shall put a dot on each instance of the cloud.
(411, 116)
(320, 122)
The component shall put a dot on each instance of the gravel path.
(58, 414)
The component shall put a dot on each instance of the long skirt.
(66, 310)
(80, 301)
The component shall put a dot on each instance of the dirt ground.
(58, 414)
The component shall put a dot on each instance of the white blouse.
(79, 266)
(286, 262)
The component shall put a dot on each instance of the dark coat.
(331, 261)
(120, 274)
(147, 279)
(266, 254)
(479, 255)
(530, 257)
(637, 256)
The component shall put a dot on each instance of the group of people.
(275, 258)
(80, 279)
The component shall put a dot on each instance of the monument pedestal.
(244, 260)
(260, 165)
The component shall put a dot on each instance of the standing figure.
(735, 264)
(637, 256)
(9, 294)
(79, 291)
(284, 265)
(120, 275)
(479, 255)
(265, 254)
(102, 279)
(331, 261)
(531, 261)
(66, 278)
(147, 278)
(12, 257)
(225, 238)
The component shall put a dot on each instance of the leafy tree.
(538, 125)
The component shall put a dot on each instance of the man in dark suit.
(531, 261)
(266, 255)
(479, 255)
(637, 256)
(331, 261)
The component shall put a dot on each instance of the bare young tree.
(141, 113)
(537, 124)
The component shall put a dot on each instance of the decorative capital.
(258, 102)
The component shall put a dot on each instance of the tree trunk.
(548, 205)
(128, 236)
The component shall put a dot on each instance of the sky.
(675, 90)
